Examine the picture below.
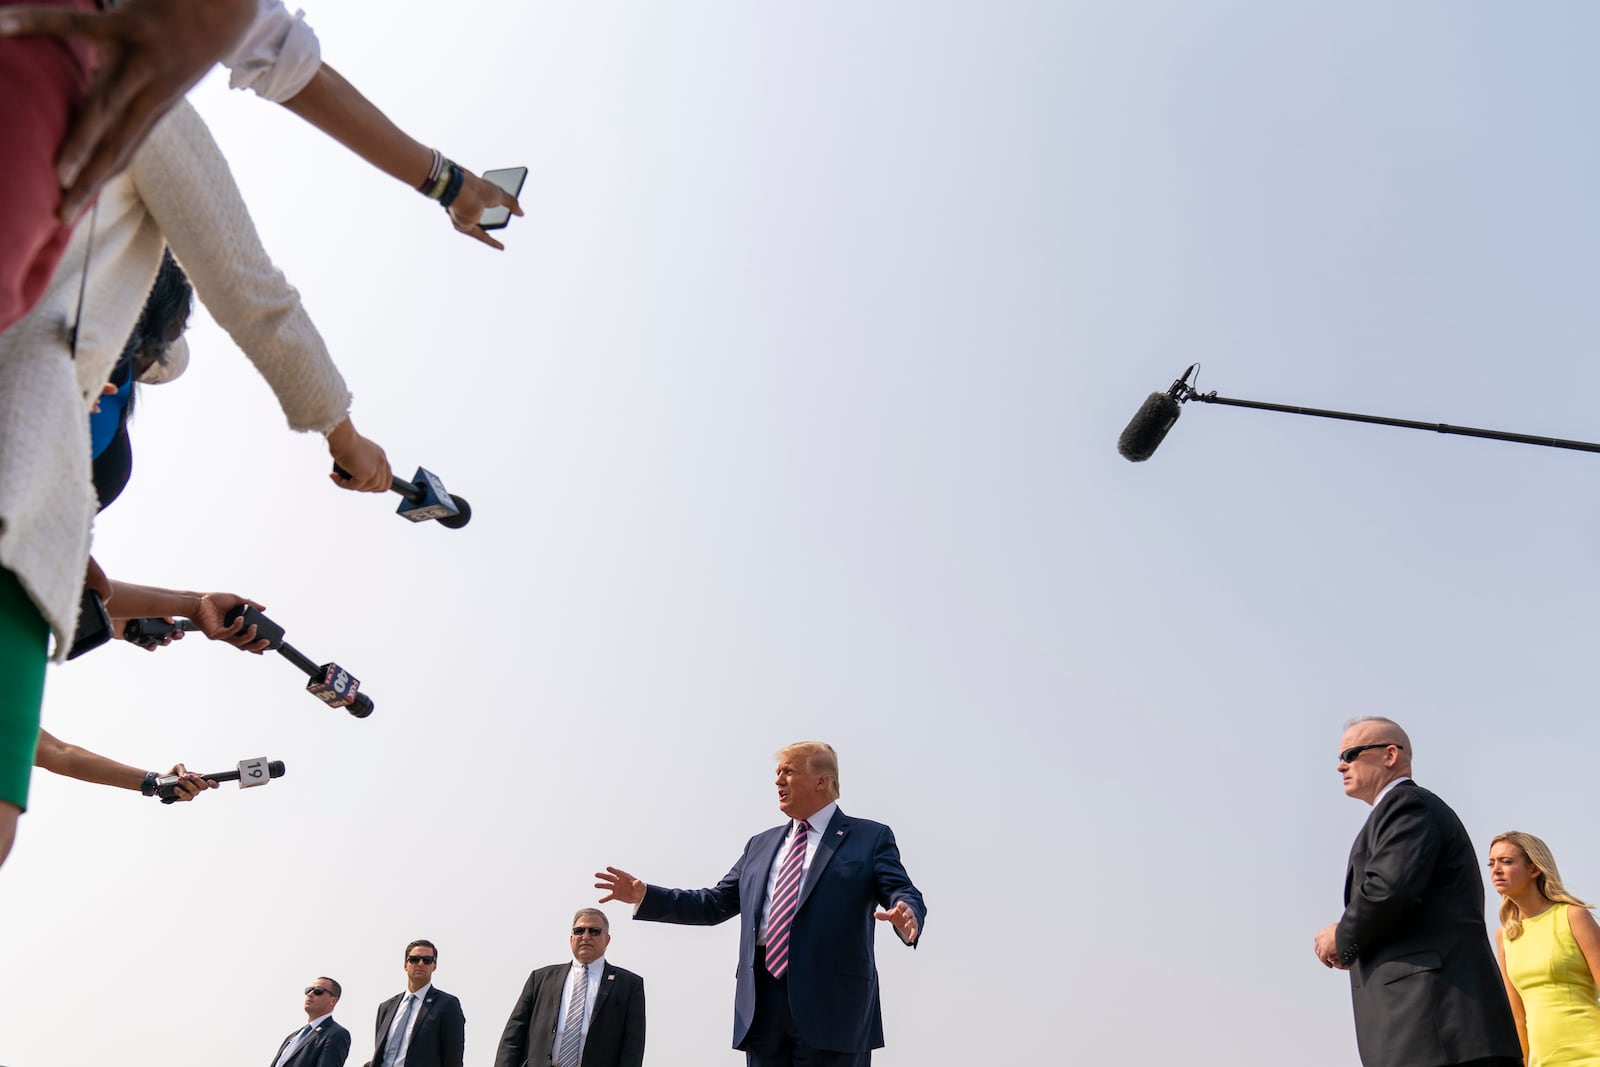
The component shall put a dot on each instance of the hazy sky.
(790, 412)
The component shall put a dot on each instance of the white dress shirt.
(1384, 791)
(411, 1024)
(819, 824)
(592, 980)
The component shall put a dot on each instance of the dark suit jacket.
(438, 1036)
(1425, 983)
(833, 972)
(616, 1029)
(327, 1046)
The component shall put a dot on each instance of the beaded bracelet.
(433, 174)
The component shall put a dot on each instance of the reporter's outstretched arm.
(73, 761)
(151, 53)
(337, 108)
(131, 601)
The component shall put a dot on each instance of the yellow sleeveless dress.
(1557, 990)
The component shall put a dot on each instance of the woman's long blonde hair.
(1548, 880)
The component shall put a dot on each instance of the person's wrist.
(453, 186)
(148, 786)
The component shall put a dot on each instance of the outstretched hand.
(476, 197)
(151, 53)
(619, 885)
(902, 918)
(214, 608)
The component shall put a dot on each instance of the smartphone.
(510, 179)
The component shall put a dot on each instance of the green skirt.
(24, 637)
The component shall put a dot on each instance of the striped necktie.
(571, 1052)
(785, 899)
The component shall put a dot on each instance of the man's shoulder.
(443, 996)
(331, 1026)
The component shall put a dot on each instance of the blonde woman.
(1549, 949)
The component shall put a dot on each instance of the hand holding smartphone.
(510, 179)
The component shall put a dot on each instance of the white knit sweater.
(178, 191)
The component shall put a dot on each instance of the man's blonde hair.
(820, 759)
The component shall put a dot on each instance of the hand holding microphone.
(425, 498)
(179, 784)
(328, 682)
(359, 463)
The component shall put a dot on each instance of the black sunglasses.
(592, 931)
(317, 991)
(1349, 755)
(421, 959)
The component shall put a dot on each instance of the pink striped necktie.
(785, 899)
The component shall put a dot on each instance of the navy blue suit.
(832, 979)
(326, 1046)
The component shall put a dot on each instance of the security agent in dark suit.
(1426, 988)
(321, 1042)
(553, 1024)
(807, 988)
(424, 1026)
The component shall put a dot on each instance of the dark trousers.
(1494, 1061)
(773, 1040)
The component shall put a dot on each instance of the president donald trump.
(809, 892)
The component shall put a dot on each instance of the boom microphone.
(250, 773)
(1149, 425)
(424, 498)
(1156, 416)
(329, 682)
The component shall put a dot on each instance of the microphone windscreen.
(275, 769)
(1148, 427)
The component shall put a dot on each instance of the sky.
(789, 412)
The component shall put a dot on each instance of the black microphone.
(424, 498)
(1149, 425)
(147, 633)
(250, 773)
(329, 682)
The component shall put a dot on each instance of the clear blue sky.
(790, 412)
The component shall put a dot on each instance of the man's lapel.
(608, 981)
(753, 880)
(832, 837)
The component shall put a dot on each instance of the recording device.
(510, 179)
(329, 682)
(149, 633)
(1149, 425)
(250, 773)
(94, 625)
(425, 498)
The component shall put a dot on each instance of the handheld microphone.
(1149, 425)
(328, 682)
(425, 498)
(148, 633)
(250, 773)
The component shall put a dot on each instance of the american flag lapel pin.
(611, 978)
